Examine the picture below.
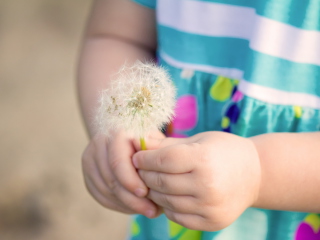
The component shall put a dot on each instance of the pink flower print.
(237, 96)
(186, 113)
(186, 117)
(309, 229)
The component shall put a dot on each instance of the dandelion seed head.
(139, 99)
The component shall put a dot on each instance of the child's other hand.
(204, 182)
(111, 178)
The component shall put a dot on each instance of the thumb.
(157, 140)
(152, 140)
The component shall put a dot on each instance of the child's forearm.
(290, 165)
(100, 59)
(119, 31)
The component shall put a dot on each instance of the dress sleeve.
(147, 3)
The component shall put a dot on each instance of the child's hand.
(111, 178)
(203, 182)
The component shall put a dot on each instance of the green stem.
(143, 144)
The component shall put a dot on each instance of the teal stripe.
(303, 14)
(273, 72)
(259, 68)
(199, 49)
(147, 3)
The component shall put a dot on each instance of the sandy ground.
(42, 195)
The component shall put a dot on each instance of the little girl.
(242, 161)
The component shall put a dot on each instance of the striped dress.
(247, 67)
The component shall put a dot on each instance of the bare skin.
(203, 183)
(200, 182)
(118, 31)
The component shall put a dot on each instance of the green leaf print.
(177, 232)
(221, 90)
(135, 228)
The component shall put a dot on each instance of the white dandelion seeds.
(140, 99)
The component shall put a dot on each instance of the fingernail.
(140, 192)
(135, 161)
(150, 213)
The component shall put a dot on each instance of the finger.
(178, 158)
(92, 175)
(106, 202)
(153, 141)
(96, 179)
(118, 161)
(138, 205)
(160, 141)
(120, 198)
(180, 204)
(175, 184)
(107, 190)
(190, 221)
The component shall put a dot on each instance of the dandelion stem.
(143, 144)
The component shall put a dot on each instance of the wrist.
(259, 177)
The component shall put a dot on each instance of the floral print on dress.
(177, 232)
(135, 228)
(223, 88)
(186, 116)
(226, 90)
(309, 229)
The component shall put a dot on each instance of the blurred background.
(42, 194)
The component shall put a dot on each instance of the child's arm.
(290, 171)
(206, 181)
(118, 31)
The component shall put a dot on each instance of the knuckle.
(171, 216)
(168, 202)
(112, 185)
(159, 181)
(114, 164)
(159, 160)
(105, 191)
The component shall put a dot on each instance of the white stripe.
(284, 41)
(205, 18)
(258, 92)
(265, 35)
(275, 96)
(227, 72)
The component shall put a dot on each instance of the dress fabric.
(247, 67)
